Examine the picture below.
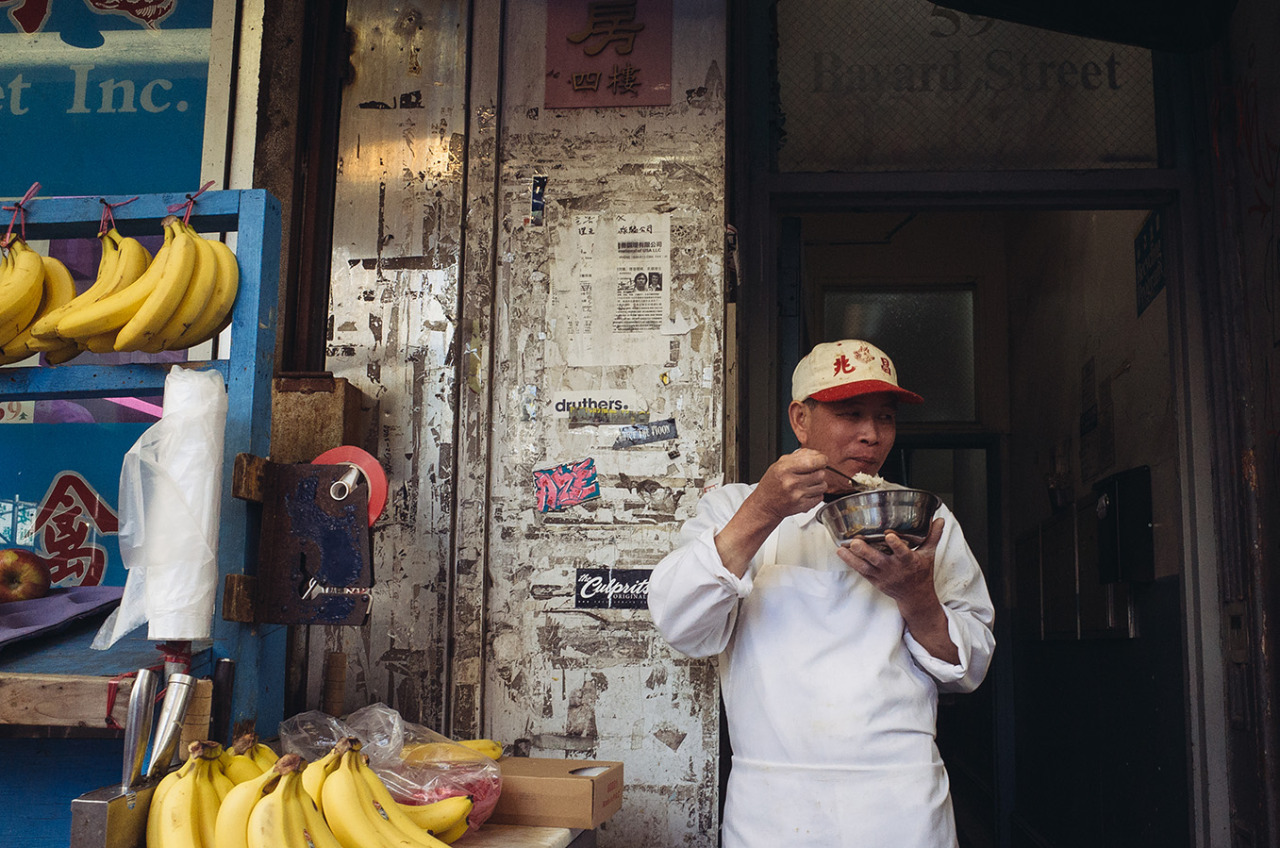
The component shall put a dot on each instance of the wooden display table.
(515, 836)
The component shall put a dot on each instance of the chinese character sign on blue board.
(103, 96)
(59, 496)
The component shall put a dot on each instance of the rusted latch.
(314, 553)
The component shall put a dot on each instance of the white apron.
(831, 721)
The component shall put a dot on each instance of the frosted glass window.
(929, 336)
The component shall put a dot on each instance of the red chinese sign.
(70, 519)
(608, 53)
(30, 16)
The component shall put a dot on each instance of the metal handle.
(177, 696)
(137, 728)
(344, 484)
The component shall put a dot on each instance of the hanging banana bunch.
(176, 299)
(32, 286)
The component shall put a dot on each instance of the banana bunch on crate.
(362, 813)
(247, 758)
(251, 799)
(178, 298)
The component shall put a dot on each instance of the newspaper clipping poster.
(611, 294)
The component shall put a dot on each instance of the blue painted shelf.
(254, 215)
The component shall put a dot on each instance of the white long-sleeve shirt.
(823, 683)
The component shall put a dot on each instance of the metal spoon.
(852, 482)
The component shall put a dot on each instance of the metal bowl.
(869, 515)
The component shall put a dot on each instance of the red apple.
(23, 575)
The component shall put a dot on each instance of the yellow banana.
(21, 290)
(204, 278)
(317, 828)
(279, 819)
(101, 343)
(57, 356)
(155, 834)
(178, 825)
(237, 764)
(314, 774)
(122, 264)
(231, 828)
(488, 747)
(113, 310)
(262, 755)
(435, 752)
(241, 768)
(133, 263)
(187, 810)
(217, 312)
(224, 759)
(388, 807)
(349, 807)
(385, 805)
(45, 326)
(454, 833)
(208, 800)
(439, 817)
(59, 289)
(163, 299)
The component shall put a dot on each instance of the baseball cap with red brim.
(840, 370)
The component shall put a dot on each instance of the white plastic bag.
(170, 506)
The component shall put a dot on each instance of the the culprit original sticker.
(643, 434)
(611, 588)
(566, 485)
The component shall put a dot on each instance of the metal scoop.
(852, 482)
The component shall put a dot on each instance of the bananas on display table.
(178, 298)
(335, 802)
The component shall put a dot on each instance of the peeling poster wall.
(638, 367)
(586, 682)
(397, 245)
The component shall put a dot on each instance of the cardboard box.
(541, 792)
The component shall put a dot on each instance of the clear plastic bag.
(170, 505)
(418, 765)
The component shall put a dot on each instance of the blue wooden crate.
(254, 215)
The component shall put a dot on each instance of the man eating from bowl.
(830, 658)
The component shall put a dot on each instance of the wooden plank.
(61, 700)
(311, 414)
(238, 592)
(247, 476)
(515, 836)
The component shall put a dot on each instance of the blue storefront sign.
(103, 96)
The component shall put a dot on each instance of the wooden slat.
(514, 836)
(61, 700)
